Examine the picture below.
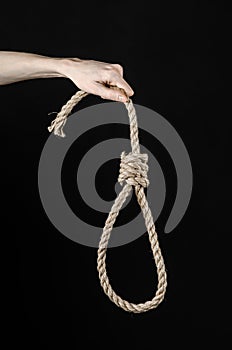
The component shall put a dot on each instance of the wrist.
(66, 66)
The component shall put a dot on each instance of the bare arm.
(91, 76)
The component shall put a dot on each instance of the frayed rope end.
(57, 131)
(57, 127)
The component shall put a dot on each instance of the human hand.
(97, 78)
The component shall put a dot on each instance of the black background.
(175, 55)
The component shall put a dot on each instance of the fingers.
(113, 93)
(117, 80)
(122, 84)
(103, 79)
(119, 68)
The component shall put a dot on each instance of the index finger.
(122, 84)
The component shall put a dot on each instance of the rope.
(58, 124)
(133, 171)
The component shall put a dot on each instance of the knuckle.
(118, 67)
(131, 92)
(109, 67)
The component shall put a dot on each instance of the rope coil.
(133, 172)
(133, 169)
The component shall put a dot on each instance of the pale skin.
(88, 75)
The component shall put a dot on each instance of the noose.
(133, 173)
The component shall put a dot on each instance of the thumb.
(112, 93)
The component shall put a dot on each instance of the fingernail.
(122, 98)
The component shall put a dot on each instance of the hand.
(97, 78)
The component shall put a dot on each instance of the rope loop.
(133, 171)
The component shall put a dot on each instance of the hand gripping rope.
(133, 171)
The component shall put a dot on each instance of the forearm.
(88, 75)
(18, 66)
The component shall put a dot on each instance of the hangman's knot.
(133, 169)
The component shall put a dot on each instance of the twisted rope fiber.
(133, 171)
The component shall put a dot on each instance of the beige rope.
(57, 124)
(133, 171)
